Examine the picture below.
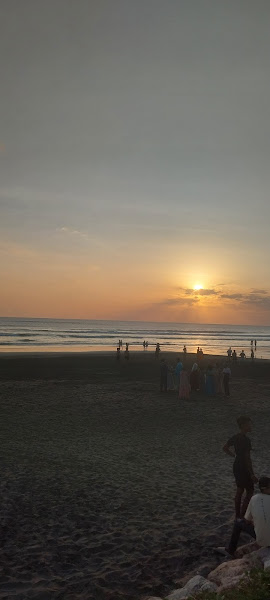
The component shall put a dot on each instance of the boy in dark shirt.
(242, 466)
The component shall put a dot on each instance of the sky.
(134, 160)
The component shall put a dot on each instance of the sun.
(198, 287)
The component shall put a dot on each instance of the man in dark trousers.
(239, 447)
(256, 522)
(163, 375)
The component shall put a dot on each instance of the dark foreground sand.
(110, 489)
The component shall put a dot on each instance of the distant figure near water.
(229, 352)
(234, 356)
(118, 353)
(252, 354)
(185, 350)
(242, 355)
(157, 351)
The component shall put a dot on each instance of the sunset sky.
(135, 160)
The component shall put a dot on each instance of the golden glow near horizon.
(198, 286)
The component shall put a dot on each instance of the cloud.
(255, 298)
(254, 291)
(202, 292)
(232, 296)
(71, 231)
(176, 302)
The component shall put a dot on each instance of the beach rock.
(204, 570)
(194, 585)
(264, 555)
(246, 549)
(229, 573)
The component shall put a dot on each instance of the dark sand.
(110, 489)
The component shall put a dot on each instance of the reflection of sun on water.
(198, 286)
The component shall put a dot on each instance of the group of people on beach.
(252, 512)
(233, 356)
(213, 381)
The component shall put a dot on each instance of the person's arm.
(227, 448)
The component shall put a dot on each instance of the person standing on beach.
(210, 387)
(242, 467)
(163, 375)
(178, 369)
(184, 385)
(256, 521)
(195, 378)
(226, 379)
(234, 356)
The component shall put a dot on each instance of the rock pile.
(228, 574)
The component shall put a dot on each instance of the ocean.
(27, 334)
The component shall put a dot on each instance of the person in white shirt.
(256, 522)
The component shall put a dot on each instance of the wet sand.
(110, 489)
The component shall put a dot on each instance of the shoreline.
(133, 351)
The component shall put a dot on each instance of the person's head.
(244, 424)
(264, 485)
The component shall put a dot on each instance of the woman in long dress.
(184, 385)
(210, 387)
(195, 378)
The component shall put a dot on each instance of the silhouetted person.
(256, 521)
(242, 466)
(242, 355)
(144, 344)
(184, 350)
(157, 350)
(255, 344)
(226, 380)
(195, 378)
(234, 356)
(252, 354)
(229, 352)
(127, 345)
(163, 375)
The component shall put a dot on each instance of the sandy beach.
(109, 488)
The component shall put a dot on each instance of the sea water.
(17, 334)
